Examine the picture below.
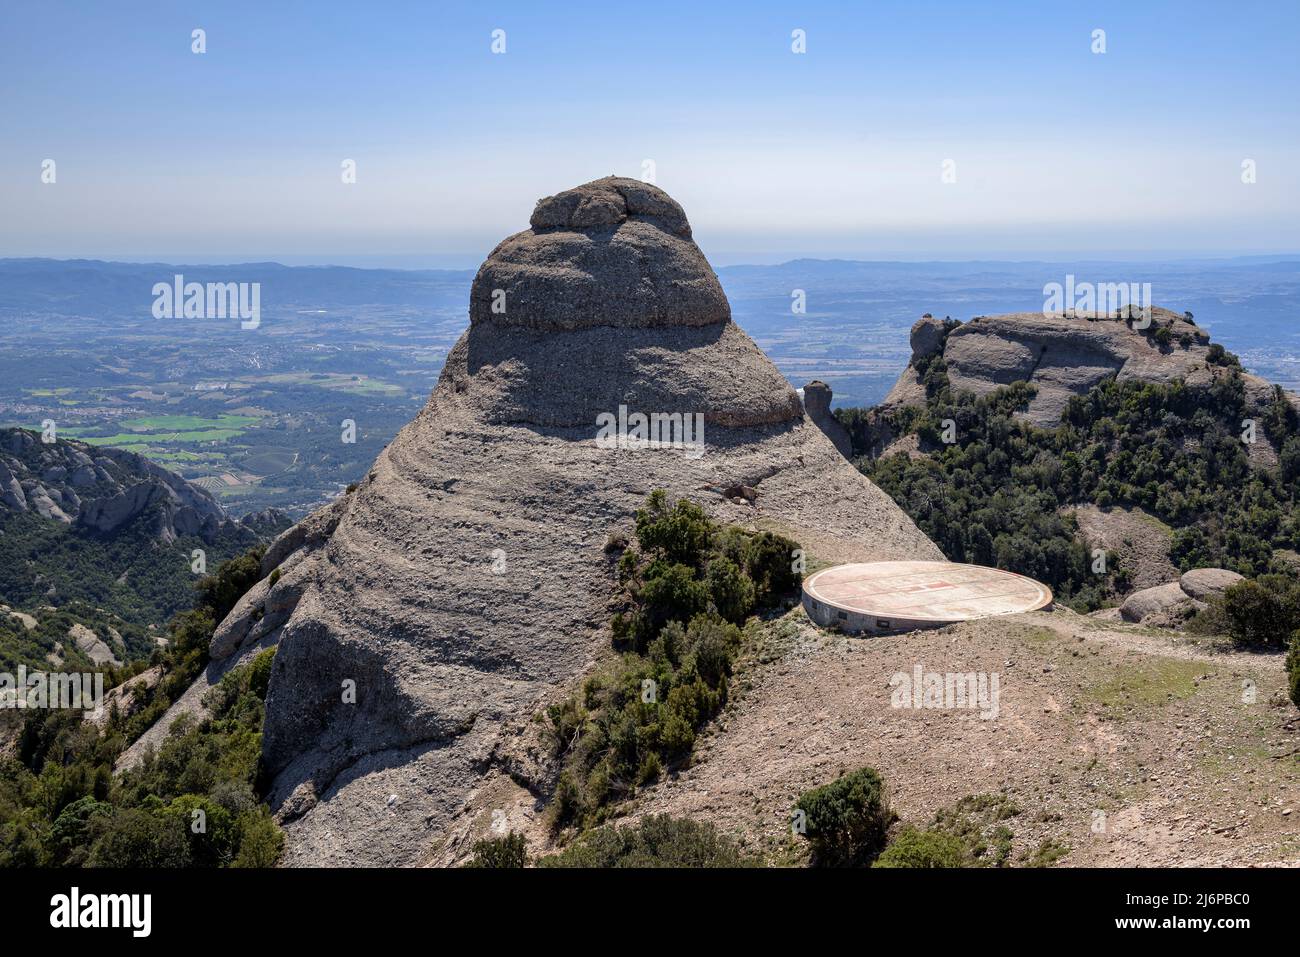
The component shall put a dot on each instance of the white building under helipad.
(888, 597)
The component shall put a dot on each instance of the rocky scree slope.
(425, 617)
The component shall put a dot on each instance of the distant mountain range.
(856, 314)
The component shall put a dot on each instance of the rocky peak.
(605, 302)
(97, 488)
(465, 582)
(817, 403)
(926, 337)
(614, 252)
(610, 202)
(1065, 355)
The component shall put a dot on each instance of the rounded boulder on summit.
(464, 583)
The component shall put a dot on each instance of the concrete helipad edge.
(889, 597)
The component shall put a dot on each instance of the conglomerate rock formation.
(1066, 355)
(817, 403)
(425, 617)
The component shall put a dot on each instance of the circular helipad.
(884, 597)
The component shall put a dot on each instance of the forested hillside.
(991, 488)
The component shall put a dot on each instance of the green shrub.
(769, 560)
(915, 848)
(260, 840)
(711, 645)
(650, 769)
(847, 820)
(259, 673)
(979, 822)
(71, 834)
(500, 852)
(1048, 852)
(134, 837)
(731, 591)
(209, 827)
(670, 592)
(680, 533)
(687, 589)
(230, 582)
(657, 841)
(1259, 615)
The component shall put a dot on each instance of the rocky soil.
(1139, 540)
(1129, 746)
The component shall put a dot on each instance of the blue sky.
(838, 152)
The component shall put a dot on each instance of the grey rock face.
(817, 403)
(235, 627)
(1206, 583)
(12, 495)
(1065, 356)
(464, 583)
(308, 535)
(99, 488)
(1150, 602)
(106, 514)
(1190, 592)
(612, 253)
(268, 523)
(926, 337)
(126, 697)
(43, 504)
(92, 646)
(566, 380)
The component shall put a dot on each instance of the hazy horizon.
(466, 262)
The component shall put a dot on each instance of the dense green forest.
(21, 643)
(132, 572)
(129, 580)
(994, 494)
(194, 802)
